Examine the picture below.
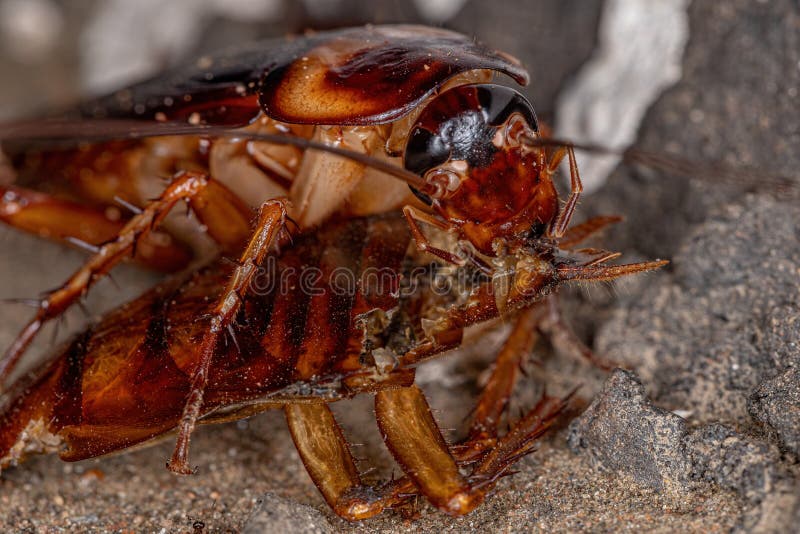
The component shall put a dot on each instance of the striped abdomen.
(126, 380)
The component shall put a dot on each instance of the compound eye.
(465, 125)
(424, 151)
(462, 123)
(502, 104)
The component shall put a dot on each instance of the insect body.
(351, 90)
(413, 103)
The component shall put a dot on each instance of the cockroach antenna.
(62, 132)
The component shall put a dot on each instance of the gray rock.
(276, 514)
(778, 513)
(751, 468)
(725, 321)
(622, 431)
(722, 456)
(776, 404)
(781, 335)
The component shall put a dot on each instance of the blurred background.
(57, 51)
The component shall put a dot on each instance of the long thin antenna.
(678, 165)
(61, 132)
(70, 132)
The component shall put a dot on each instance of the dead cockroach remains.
(265, 144)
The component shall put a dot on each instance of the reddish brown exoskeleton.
(340, 123)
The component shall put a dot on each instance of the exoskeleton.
(298, 154)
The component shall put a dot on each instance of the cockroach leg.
(497, 391)
(186, 186)
(53, 218)
(413, 438)
(227, 219)
(559, 228)
(580, 232)
(413, 215)
(518, 442)
(415, 441)
(271, 221)
(327, 458)
(556, 159)
(564, 339)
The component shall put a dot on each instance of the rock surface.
(776, 404)
(698, 337)
(621, 431)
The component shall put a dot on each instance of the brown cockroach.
(341, 123)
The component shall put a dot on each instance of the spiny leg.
(271, 221)
(560, 334)
(544, 317)
(62, 220)
(415, 441)
(412, 436)
(327, 458)
(227, 221)
(576, 188)
(518, 442)
(497, 391)
(604, 273)
(433, 468)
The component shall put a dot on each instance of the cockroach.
(265, 144)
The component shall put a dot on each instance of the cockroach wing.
(365, 75)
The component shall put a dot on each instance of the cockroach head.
(469, 146)
(466, 127)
